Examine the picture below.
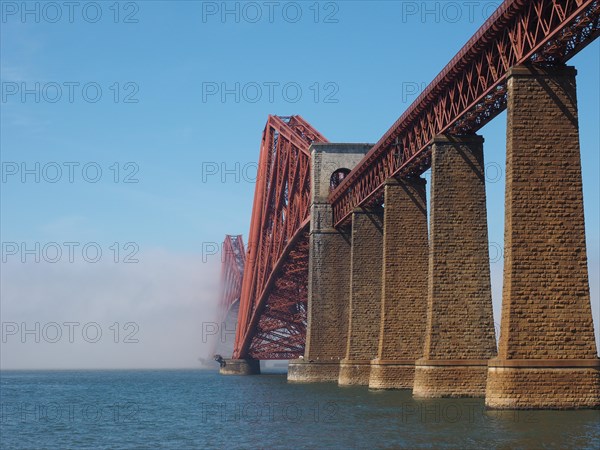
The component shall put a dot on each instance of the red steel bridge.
(233, 261)
(232, 270)
(468, 93)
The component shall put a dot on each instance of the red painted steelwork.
(272, 315)
(470, 91)
(232, 270)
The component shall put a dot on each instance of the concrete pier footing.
(240, 367)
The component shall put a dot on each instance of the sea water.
(189, 409)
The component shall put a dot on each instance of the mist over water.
(80, 315)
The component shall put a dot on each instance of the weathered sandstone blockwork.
(329, 271)
(365, 296)
(460, 380)
(459, 319)
(546, 312)
(404, 290)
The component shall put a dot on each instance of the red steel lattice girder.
(272, 315)
(470, 91)
(233, 260)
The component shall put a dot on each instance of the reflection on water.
(196, 409)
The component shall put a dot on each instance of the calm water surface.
(199, 409)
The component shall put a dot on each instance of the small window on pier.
(337, 177)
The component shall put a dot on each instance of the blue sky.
(166, 129)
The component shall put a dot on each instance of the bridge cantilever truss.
(272, 315)
(232, 271)
(468, 93)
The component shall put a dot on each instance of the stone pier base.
(450, 378)
(354, 372)
(543, 384)
(240, 367)
(396, 374)
(365, 296)
(329, 256)
(547, 355)
(302, 371)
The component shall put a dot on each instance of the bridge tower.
(233, 260)
(329, 268)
